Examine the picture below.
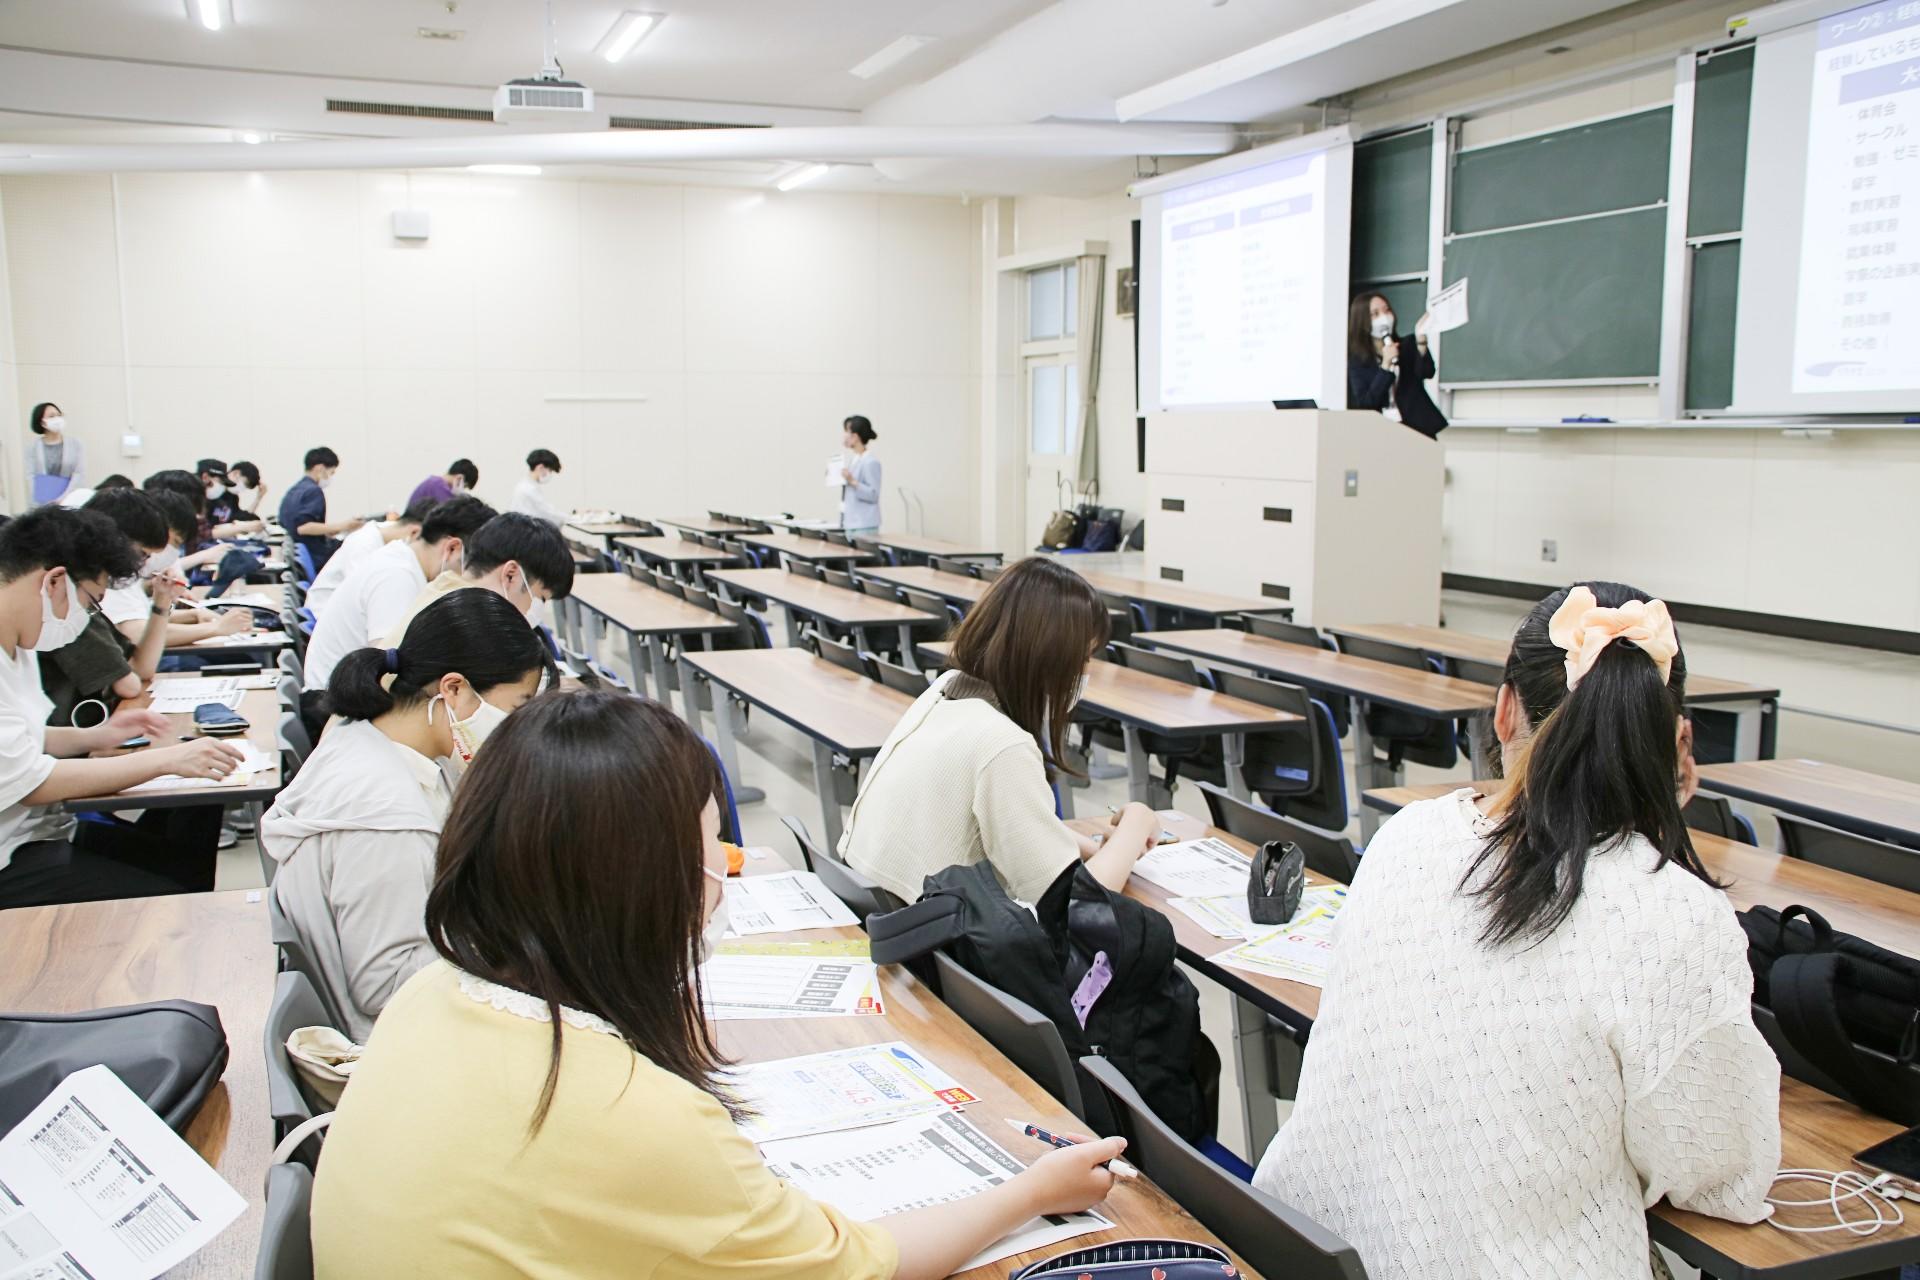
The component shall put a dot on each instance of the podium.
(1335, 515)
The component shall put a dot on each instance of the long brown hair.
(1030, 637)
(570, 869)
(1362, 346)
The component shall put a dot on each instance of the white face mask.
(54, 423)
(216, 491)
(718, 922)
(245, 494)
(58, 633)
(537, 614)
(325, 480)
(1383, 326)
(159, 562)
(468, 734)
(542, 477)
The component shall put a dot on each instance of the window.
(1053, 302)
(1053, 405)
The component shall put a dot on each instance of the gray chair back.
(1259, 624)
(289, 689)
(295, 1005)
(1715, 816)
(296, 958)
(1399, 655)
(841, 654)
(290, 663)
(837, 578)
(1274, 1239)
(838, 538)
(1164, 665)
(1025, 1035)
(903, 679)
(877, 589)
(1856, 855)
(938, 606)
(1491, 674)
(1330, 854)
(805, 569)
(286, 1229)
(668, 583)
(862, 896)
(294, 741)
(946, 564)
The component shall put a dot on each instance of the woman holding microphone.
(1384, 366)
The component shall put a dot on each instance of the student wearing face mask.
(1386, 367)
(55, 564)
(109, 663)
(528, 496)
(354, 834)
(55, 460)
(548, 1099)
(377, 595)
(965, 775)
(461, 477)
(249, 490)
(516, 556)
(163, 581)
(303, 509)
(225, 518)
(356, 547)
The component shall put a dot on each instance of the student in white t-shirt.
(379, 593)
(357, 547)
(105, 664)
(542, 466)
(55, 565)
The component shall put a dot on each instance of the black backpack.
(1841, 1012)
(1146, 1021)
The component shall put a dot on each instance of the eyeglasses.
(93, 605)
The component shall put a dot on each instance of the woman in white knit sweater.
(1537, 1024)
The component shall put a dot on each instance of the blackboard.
(1722, 97)
(1710, 324)
(1392, 196)
(1619, 163)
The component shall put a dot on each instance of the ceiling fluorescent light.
(628, 30)
(510, 170)
(899, 51)
(249, 137)
(802, 176)
(208, 13)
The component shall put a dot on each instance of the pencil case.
(1135, 1260)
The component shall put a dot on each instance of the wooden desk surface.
(1449, 643)
(822, 599)
(1422, 692)
(914, 1014)
(915, 544)
(675, 550)
(209, 947)
(246, 642)
(642, 610)
(606, 528)
(261, 707)
(812, 550)
(706, 524)
(848, 712)
(920, 577)
(1759, 878)
(1170, 595)
(1882, 807)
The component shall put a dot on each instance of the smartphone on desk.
(1899, 1156)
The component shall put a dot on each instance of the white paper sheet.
(910, 1164)
(1447, 309)
(255, 639)
(783, 903)
(169, 702)
(249, 598)
(1226, 916)
(1196, 868)
(94, 1184)
(835, 467)
(1299, 952)
(252, 760)
(748, 986)
(844, 1089)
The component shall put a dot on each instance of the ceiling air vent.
(408, 110)
(649, 122)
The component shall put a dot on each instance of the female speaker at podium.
(1384, 366)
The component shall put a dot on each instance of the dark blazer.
(1369, 386)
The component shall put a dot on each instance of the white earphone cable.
(1878, 1195)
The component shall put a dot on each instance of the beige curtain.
(1093, 293)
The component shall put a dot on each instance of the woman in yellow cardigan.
(544, 1101)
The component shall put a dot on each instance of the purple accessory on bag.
(1097, 980)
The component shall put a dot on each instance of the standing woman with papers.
(56, 463)
(859, 477)
(548, 1099)
(1386, 367)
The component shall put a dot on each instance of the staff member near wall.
(860, 473)
(55, 463)
(1383, 366)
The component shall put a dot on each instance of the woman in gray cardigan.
(56, 464)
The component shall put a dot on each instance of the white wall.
(11, 461)
(265, 313)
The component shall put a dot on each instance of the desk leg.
(637, 662)
(690, 692)
(1480, 744)
(662, 681)
(729, 752)
(1233, 756)
(592, 637)
(1139, 779)
(1363, 770)
(1749, 732)
(823, 783)
(1259, 1118)
(793, 625)
(906, 648)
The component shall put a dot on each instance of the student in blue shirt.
(303, 509)
(860, 495)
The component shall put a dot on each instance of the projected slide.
(1243, 286)
(1859, 301)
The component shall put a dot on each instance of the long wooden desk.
(838, 711)
(261, 707)
(209, 947)
(809, 550)
(674, 552)
(607, 530)
(802, 598)
(246, 645)
(646, 616)
(708, 525)
(1145, 703)
(964, 591)
(1851, 799)
(1158, 595)
(913, 544)
(1363, 680)
(1753, 706)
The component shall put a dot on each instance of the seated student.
(189, 623)
(964, 777)
(249, 490)
(225, 519)
(461, 477)
(354, 833)
(1536, 1023)
(542, 466)
(303, 508)
(377, 595)
(103, 664)
(516, 556)
(55, 564)
(204, 560)
(357, 546)
(598, 1139)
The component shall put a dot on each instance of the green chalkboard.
(1710, 324)
(1392, 193)
(1722, 97)
(1610, 164)
(1562, 301)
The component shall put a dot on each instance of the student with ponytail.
(1537, 1022)
(355, 832)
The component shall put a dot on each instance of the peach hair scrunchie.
(1584, 630)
